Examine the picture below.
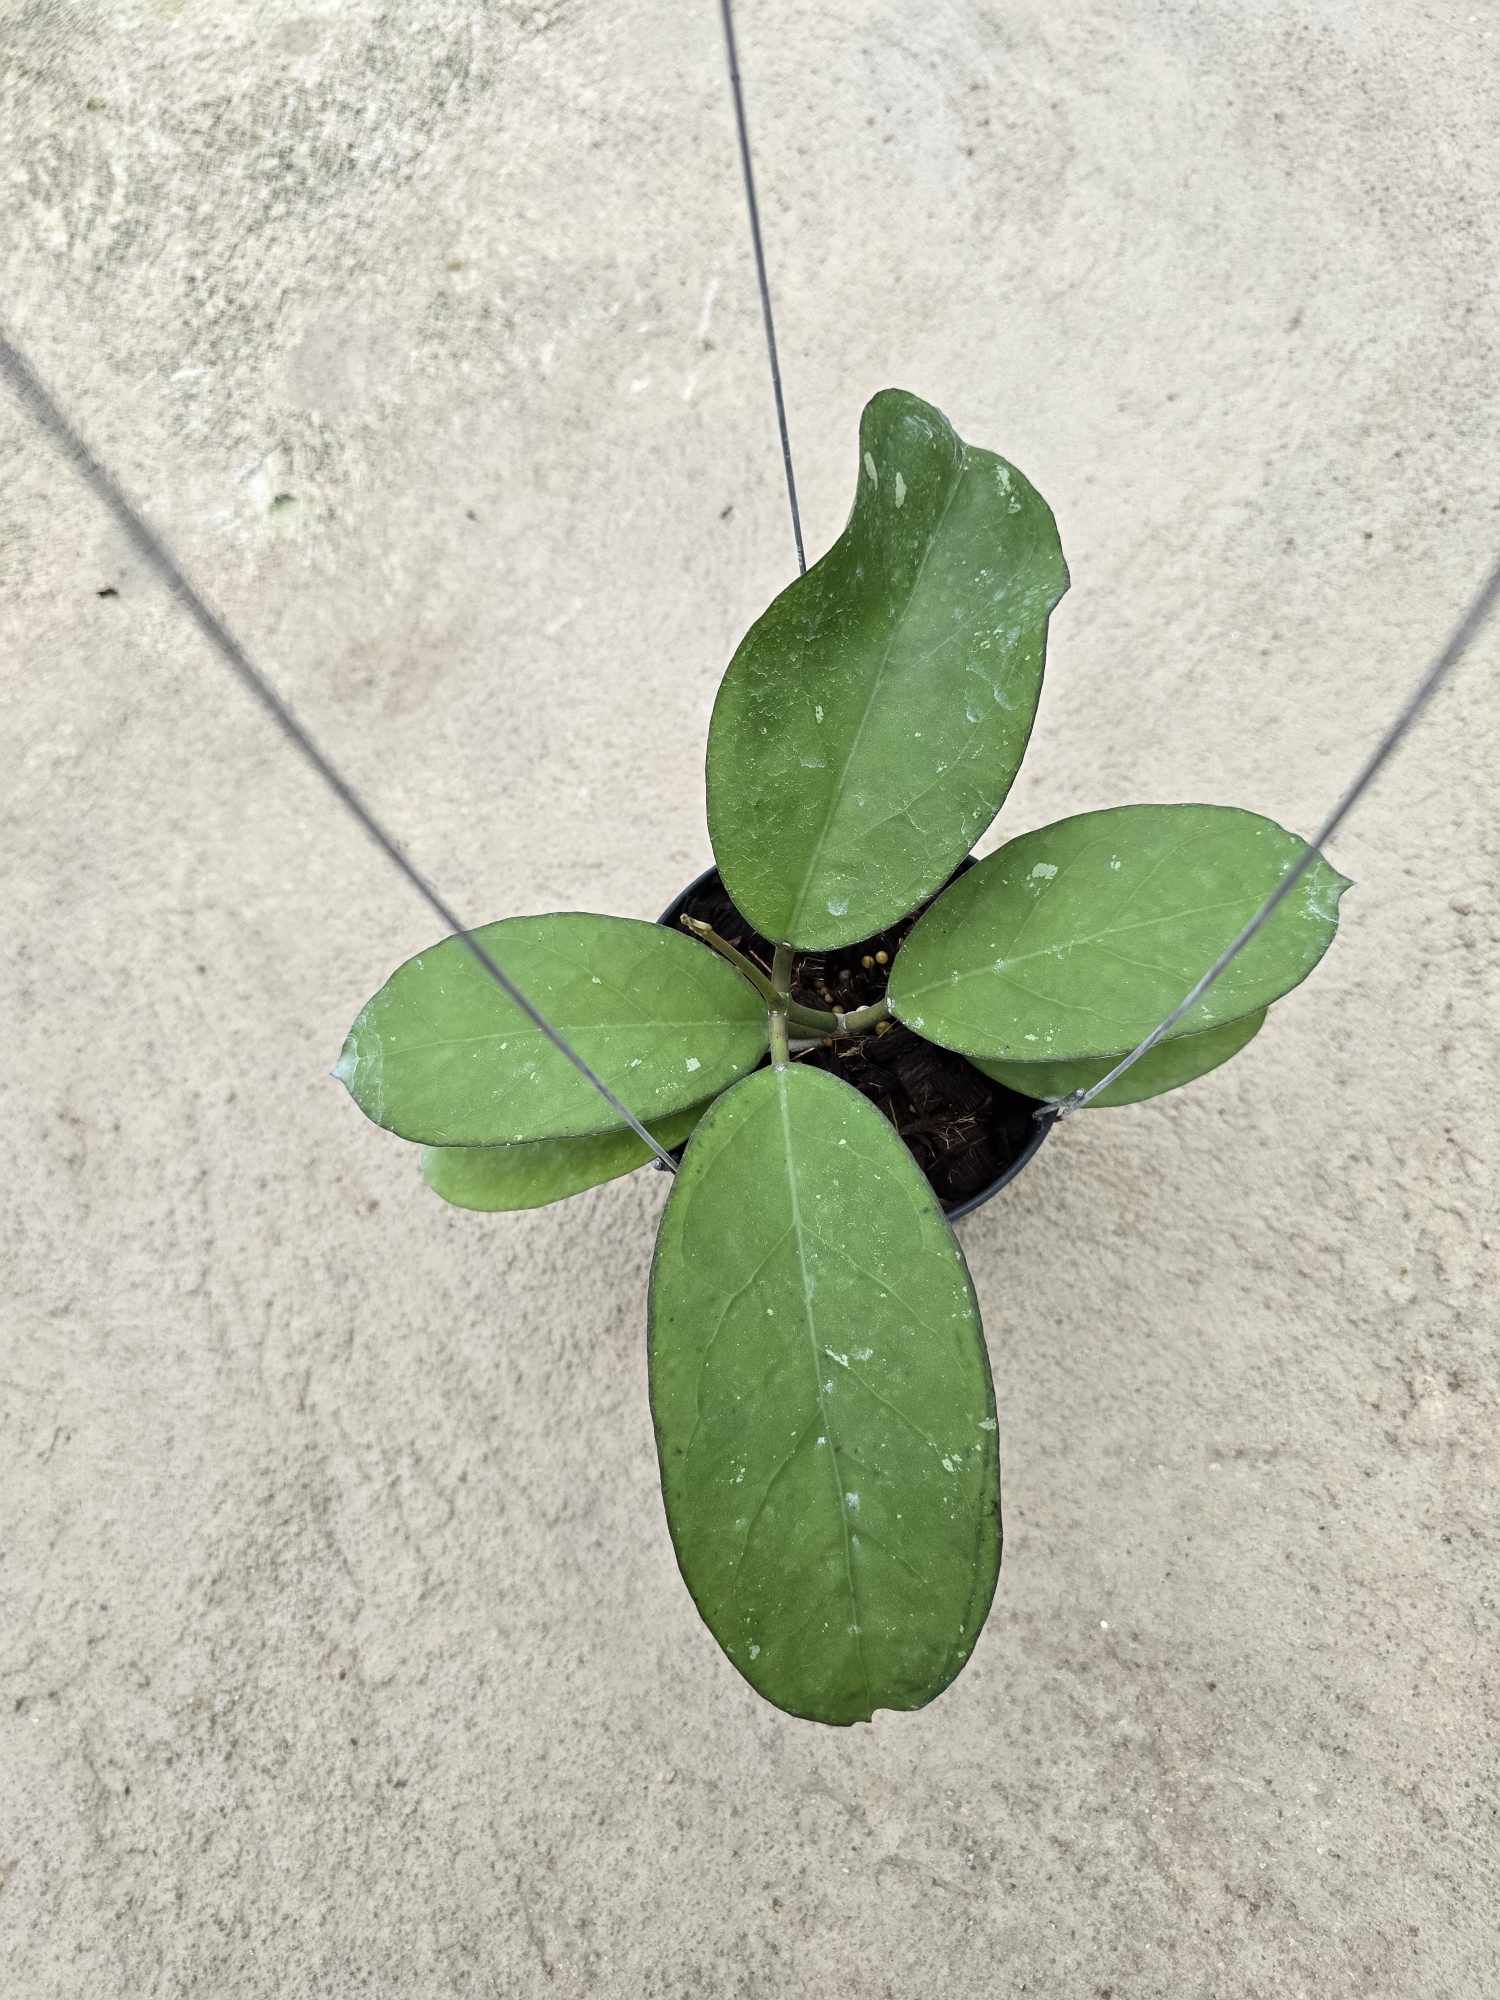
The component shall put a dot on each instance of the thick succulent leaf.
(1074, 941)
(440, 1055)
(1163, 1068)
(505, 1177)
(824, 1415)
(873, 719)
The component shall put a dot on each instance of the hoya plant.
(852, 1028)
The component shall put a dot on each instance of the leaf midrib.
(529, 1033)
(815, 852)
(1080, 944)
(824, 1418)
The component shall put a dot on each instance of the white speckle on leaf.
(900, 491)
(693, 1063)
(838, 906)
(870, 468)
(1321, 901)
(1114, 861)
(1044, 871)
(754, 1652)
(999, 965)
(851, 1501)
(814, 763)
(1002, 477)
(864, 1353)
(841, 1359)
(817, 711)
(986, 1423)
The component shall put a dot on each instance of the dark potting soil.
(962, 1128)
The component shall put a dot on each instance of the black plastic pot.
(1040, 1127)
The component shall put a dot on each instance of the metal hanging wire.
(768, 317)
(36, 399)
(40, 404)
(1464, 633)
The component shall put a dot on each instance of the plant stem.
(781, 1053)
(864, 1019)
(706, 934)
(781, 984)
(809, 1020)
(781, 974)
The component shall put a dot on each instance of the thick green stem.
(709, 936)
(781, 1048)
(811, 1021)
(781, 974)
(864, 1019)
(781, 983)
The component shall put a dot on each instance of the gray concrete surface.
(342, 1649)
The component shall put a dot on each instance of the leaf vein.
(836, 798)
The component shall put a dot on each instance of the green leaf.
(507, 1177)
(824, 1415)
(441, 1056)
(1074, 941)
(873, 719)
(1160, 1069)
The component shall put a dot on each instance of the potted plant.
(854, 1023)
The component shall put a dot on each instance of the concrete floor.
(342, 1650)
